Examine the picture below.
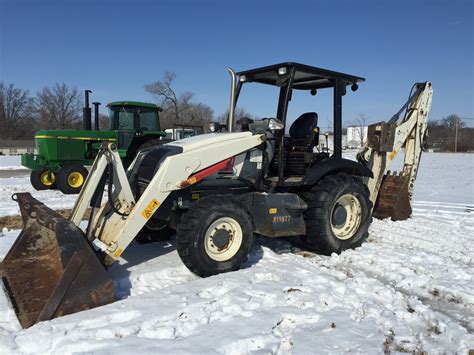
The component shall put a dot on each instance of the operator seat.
(304, 132)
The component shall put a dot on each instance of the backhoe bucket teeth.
(393, 199)
(51, 270)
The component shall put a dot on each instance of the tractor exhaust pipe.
(96, 116)
(230, 119)
(86, 112)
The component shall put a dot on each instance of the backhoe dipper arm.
(391, 194)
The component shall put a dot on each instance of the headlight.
(274, 124)
(214, 127)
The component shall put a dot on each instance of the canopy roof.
(306, 77)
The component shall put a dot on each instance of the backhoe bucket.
(393, 199)
(51, 270)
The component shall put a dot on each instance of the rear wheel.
(43, 179)
(71, 178)
(214, 236)
(338, 215)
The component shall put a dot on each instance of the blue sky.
(115, 47)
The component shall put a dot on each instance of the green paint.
(56, 148)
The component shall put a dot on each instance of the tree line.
(450, 134)
(22, 114)
(60, 107)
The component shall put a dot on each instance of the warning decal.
(150, 209)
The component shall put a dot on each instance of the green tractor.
(62, 155)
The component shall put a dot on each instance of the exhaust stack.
(96, 116)
(86, 112)
(230, 119)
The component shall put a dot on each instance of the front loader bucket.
(393, 199)
(51, 270)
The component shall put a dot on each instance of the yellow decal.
(77, 138)
(152, 206)
(272, 210)
(118, 252)
(392, 155)
(191, 180)
(195, 196)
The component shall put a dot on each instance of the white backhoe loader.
(218, 190)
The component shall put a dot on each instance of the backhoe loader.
(218, 190)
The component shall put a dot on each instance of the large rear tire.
(338, 215)
(43, 179)
(214, 236)
(71, 178)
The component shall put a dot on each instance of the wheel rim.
(75, 179)
(47, 178)
(346, 216)
(223, 239)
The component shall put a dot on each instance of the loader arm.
(391, 194)
(116, 223)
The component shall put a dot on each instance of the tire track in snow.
(388, 247)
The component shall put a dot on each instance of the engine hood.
(196, 142)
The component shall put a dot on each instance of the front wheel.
(338, 215)
(43, 179)
(214, 236)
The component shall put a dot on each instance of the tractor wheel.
(214, 236)
(43, 179)
(71, 178)
(338, 215)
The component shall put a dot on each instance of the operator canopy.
(306, 77)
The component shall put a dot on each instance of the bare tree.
(59, 107)
(197, 114)
(360, 125)
(16, 112)
(178, 109)
(238, 114)
(450, 134)
(453, 121)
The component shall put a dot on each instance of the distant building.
(354, 135)
(16, 147)
(323, 146)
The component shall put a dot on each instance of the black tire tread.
(62, 175)
(316, 216)
(187, 229)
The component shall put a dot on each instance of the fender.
(334, 165)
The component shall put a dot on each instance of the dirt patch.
(15, 222)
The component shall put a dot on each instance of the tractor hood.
(205, 140)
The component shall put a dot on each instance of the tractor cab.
(291, 155)
(133, 115)
(135, 123)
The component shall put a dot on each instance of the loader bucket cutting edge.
(51, 269)
(393, 199)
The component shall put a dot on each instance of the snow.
(10, 185)
(10, 162)
(407, 289)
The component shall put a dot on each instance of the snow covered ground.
(408, 289)
(10, 162)
(21, 183)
